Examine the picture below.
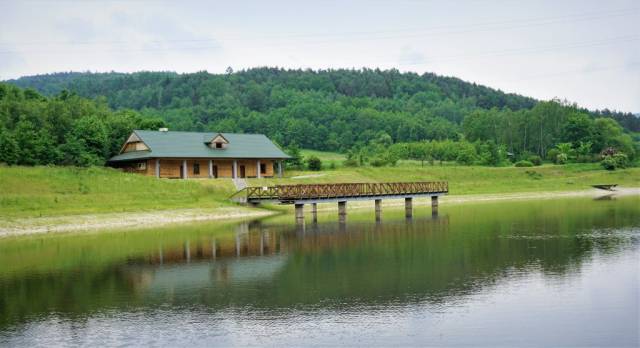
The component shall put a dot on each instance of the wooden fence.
(287, 193)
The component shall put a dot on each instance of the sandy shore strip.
(95, 222)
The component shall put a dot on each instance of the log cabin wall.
(198, 168)
(168, 168)
(268, 167)
(225, 168)
(171, 168)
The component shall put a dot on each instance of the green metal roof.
(172, 144)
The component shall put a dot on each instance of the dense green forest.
(374, 116)
(65, 129)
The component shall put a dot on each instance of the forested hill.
(329, 109)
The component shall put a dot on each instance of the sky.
(586, 51)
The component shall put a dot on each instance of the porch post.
(280, 169)
(184, 169)
(210, 169)
(258, 169)
(234, 170)
(157, 167)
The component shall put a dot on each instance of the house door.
(242, 172)
(181, 171)
(215, 171)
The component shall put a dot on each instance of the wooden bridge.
(299, 195)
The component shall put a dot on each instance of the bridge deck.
(289, 194)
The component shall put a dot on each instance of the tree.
(8, 148)
(578, 129)
(296, 158)
(584, 151)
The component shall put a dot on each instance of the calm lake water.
(554, 272)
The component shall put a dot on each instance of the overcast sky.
(584, 51)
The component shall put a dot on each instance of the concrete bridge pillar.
(434, 205)
(342, 211)
(299, 213)
(378, 203)
(408, 207)
(314, 211)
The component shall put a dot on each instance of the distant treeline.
(347, 110)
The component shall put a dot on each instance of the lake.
(561, 272)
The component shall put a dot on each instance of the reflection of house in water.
(255, 253)
(202, 275)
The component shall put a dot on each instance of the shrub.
(552, 155)
(314, 163)
(467, 156)
(535, 160)
(621, 160)
(618, 160)
(608, 163)
(562, 158)
(378, 162)
(332, 165)
(524, 163)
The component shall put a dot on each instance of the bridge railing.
(319, 191)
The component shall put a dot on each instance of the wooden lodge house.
(171, 154)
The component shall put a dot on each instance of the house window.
(263, 168)
(196, 169)
(141, 166)
(218, 145)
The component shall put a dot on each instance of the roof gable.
(218, 138)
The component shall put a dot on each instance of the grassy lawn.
(51, 191)
(56, 191)
(473, 179)
(326, 157)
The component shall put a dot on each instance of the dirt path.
(93, 222)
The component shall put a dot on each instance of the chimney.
(163, 129)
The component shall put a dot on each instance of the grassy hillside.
(48, 191)
(55, 191)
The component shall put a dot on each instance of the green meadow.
(57, 191)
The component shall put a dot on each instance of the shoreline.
(133, 220)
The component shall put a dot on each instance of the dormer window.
(218, 142)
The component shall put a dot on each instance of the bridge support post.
(408, 207)
(299, 213)
(378, 203)
(314, 212)
(342, 211)
(434, 205)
